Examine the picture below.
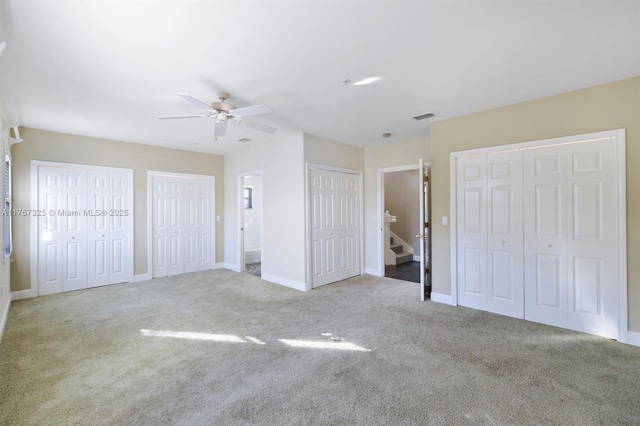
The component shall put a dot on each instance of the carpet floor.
(222, 348)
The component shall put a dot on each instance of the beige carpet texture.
(224, 348)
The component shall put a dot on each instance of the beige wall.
(605, 107)
(65, 148)
(318, 150)
(377, 157)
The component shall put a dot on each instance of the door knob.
(73, 238)
(548, 245)
(501, 241)
(102, 235)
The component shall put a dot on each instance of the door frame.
(307, 208)
(617, 137)
(240, 229)
(380, 215)
(150, 175)
(35, 165)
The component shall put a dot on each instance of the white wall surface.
(381, 156)
(283, 245)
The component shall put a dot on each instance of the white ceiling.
(108, 68)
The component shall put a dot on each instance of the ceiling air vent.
(423, 116)
(244, 140)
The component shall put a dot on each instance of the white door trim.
(618, 137)
(35, 164)
(150, 175)
(240, 228)
(307, 209)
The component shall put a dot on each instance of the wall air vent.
(244, 140)
(423, 116)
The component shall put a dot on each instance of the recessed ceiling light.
(244, 140)
(386, 135)
(368, 80)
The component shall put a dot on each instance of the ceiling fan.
(222, 112)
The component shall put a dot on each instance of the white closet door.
(198, 224)
(348, 218)
(505, 283)
(74, 228)
(545, 236)
(119, 219)
(99, 249)
(167, 241)
(50, 231)
(323, 227)
(62, 239)
(205, 224)
(472, 231)
(592, 269)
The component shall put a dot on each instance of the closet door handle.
(548, 245)
(501, 241)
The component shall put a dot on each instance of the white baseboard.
(416, 258)
(5, 315)
(633, 338)
(296, 285)
(442, 298)
(141, 277)
(23, 294)
(219, 265)
(372, 271)
(231, 267)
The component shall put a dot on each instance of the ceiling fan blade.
(165, 117)
(257, 126)
(195, 101)
(251, 110)
(220, 129)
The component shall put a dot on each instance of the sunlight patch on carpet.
(345, 346)
(193, 336)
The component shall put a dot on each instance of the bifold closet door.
(62, 239)
(84, 239)
(182, 224)
(198, 224)
(335, 226)
(489, 229)
(571, 256)
(109, 250)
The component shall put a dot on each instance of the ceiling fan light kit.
(223, 111)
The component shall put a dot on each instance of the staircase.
(400, 255)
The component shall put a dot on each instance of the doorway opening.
(404, 224)
(251, 212)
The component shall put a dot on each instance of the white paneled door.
(571, 228)
(84, 231)
(182, 224)
(538, 233)
(335, 225)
